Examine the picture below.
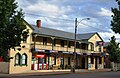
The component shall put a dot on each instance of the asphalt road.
(78, 75)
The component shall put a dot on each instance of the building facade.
(48, 49)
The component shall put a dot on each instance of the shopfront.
(39, 62)
(48, 60)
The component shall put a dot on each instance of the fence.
(115, 66)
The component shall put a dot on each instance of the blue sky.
(60, 14)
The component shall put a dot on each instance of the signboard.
(40, 56)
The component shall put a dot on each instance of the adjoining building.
(48, 49)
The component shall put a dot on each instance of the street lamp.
(74, 53)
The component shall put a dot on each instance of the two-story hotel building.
(48, 49)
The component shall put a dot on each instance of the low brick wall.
(4, 67)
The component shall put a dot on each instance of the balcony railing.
(59, 48)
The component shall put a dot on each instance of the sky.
(61, 14)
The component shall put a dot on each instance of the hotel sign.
(40, 56)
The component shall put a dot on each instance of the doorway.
(83, 63)
(62, 63)
(96, 63)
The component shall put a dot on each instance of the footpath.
(52, 72)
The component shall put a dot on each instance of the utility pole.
(74, 53)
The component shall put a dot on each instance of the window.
(62, 43)
(69, 45)
(17, 59)
(44, 41)
(92, 60)
(92, 47)
(54, 43)
(68, 60)
(99, 48)
(77, 45)
(100, 60)
(24, 59)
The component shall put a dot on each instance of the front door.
(62, 63)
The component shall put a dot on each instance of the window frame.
(44, 40)
(100, 48)
(25, 59)
(62, 43)
(18, 58)
(92, 47)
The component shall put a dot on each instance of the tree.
(115, 23)
(113, 50)
(12, 28)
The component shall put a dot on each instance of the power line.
(64, 20)
(94, 27)
(49, 17)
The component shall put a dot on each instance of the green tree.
(12, 29)
(113, 50)
(115, 23)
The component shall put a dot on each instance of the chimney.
(38, 23)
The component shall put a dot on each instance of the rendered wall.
(4, 67)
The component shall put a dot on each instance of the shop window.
(62, 43)
(68, 60)
(24, 59)
(92, 60)
(100, 60)
(17, 59)
(44, 60)
(44, 41)
(54, 60)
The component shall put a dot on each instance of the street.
(78, 75)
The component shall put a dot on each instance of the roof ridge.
(53, 29)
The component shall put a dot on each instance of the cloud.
(107, 36)
(61, 14)
(43, 7)
(105, 12)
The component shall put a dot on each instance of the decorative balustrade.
(59, 48)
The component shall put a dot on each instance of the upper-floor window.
(44, 41)
(54, 42)
(69, 44)
(92, 47)
(99, 49)
(77, 45)
(62, 43)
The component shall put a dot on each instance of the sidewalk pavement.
(52, 72)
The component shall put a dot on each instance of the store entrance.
(39, 62)
(42, 64)
(62, 63)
